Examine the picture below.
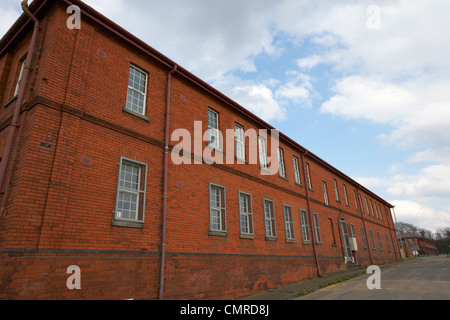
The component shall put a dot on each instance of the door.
(346, 241)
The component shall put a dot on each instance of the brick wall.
(61, 190)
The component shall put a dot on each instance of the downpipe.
(26, 74)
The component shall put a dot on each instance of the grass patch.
(303, 293)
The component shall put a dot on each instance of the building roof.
(40, 7)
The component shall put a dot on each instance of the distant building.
(90, 186)
(416, 245)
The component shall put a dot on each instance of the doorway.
(346, 242)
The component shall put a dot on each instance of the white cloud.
(259, 99)
(430, 184)
(420, 215)
(299, 90)
(359, 97)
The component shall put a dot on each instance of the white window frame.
(308, 175)
(19, 80)
(281, 163)
(379, 241)
(372, 239)
(363, 234)
(262, 145)
(140, 193)
(367, 206)
(298, 179)
(213, 129)
(356, 200)
(387, 242)
(352, 230)
(325, 193)
(245, 214)
(240, 141)
(306, 236)
(371, 208)
(143, 94)
(317, 228)
(217, 212)
(345, 194)
(288, 222)
(336, 190)
(269, 218)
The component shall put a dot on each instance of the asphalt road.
(424, 279)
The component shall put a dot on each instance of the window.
(308, 176)
(288, 222)
(372, 208)
(281, 163)
(240, 142)
(379, 210)
(379, 241)
(356, 201)
(336, 190)
(345, 195)
(19, 81)
(245, 213)
(352, 230)
(305, 225)
(213, 129)
(269, 218)
(367, 206)
(262, 152)
(363, 234)
(387, 242)
(325, 193)
(298, 180)
(137, 90)
(375, 210)
(217, 208)
(371, 239)
(317, 228)
(131, 188)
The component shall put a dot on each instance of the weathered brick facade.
(59, 195)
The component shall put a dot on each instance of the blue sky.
(363, 84)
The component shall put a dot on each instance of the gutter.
(364, 225)
(165, 187)
(15, 120)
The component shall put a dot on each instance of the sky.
(362, 84)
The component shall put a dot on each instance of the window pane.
(136, 96)
(131, 191)
(217, 208)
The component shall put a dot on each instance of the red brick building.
(416, 245)
(88, 180)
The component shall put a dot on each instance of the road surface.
(423, 279)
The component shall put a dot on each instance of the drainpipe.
(364, 225)
(166, 174)
(311, 221)
(398, 234)
(390, 233)
(15, 120)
